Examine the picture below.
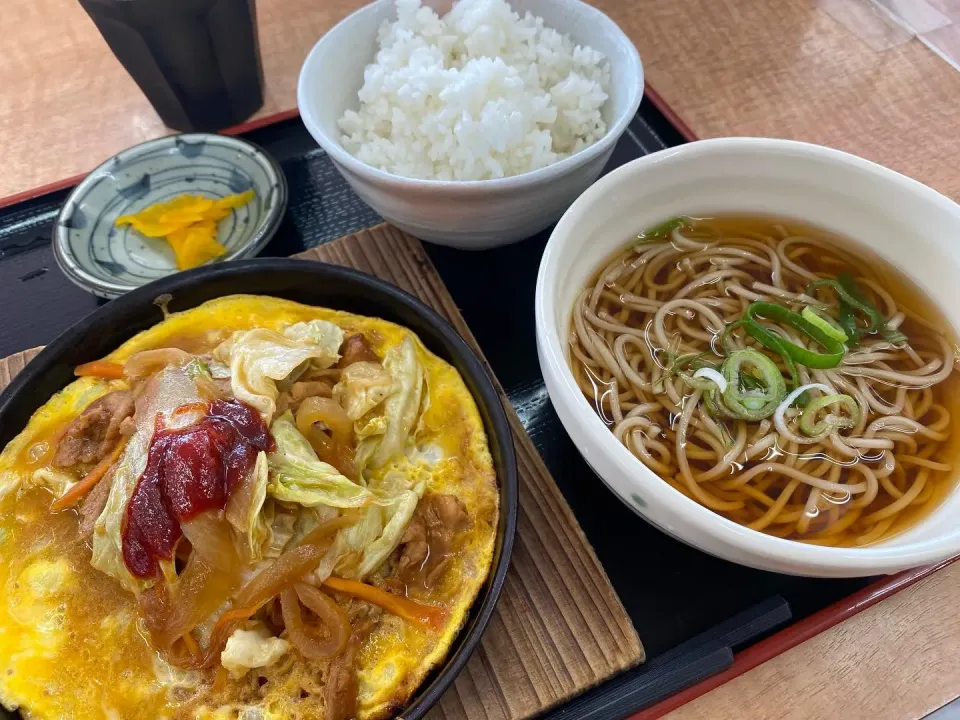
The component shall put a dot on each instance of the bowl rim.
(594, 437)
(545, 174)
(268, 227)
(81, 342)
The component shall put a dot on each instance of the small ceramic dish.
(109, 261)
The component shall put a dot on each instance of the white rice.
(480, 93)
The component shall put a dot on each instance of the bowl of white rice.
(475, 123)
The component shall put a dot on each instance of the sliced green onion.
(197, 368)
(750, 382)
(697, 383)
(753, 404)
(667, 226)
(770, 341)
(847, 319)
(725, 435)
(893, 335)
(689, 360)
(824, 427)
(852, 295)
(848, 291)
(679, 363)
(852, 299)
(826, 324)
(820, 361)
(715, 408)
(779, 414)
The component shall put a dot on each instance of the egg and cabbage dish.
(254, 509)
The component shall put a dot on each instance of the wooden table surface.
(893, 661)
(835, 72)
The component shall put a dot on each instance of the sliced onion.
(212, 539)
(281, 573)
(327, 411)
(308, 640)
(335, 448)
(240, 502)
(200, 590)
(291, 566)
(808, 418)
(147, 362)
(326, 608)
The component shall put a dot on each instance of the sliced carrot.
(100, 369)
(231, 616)
(191, 407)
(225, 626)
(76, 493)
(425, 615)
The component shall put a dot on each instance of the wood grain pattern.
(559, 627)
(67, 104)
(10, 366)
(824, 71)
(894, 661)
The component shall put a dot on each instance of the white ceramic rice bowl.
(466, 214)
(903, 221)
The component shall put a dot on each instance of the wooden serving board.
(559, 627)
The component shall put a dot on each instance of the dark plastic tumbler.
(197, 61)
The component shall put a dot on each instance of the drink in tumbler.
(197, 61)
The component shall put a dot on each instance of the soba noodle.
(695, 346)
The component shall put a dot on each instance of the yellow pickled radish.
(188, 223)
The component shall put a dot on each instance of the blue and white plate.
(109, 261)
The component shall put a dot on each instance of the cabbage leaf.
(244, 511)
(362, 548)
(398, 515)
(348, 545)
(298, 476)
(324, 333)
(363, 385)
(259, 358)
(401, 409)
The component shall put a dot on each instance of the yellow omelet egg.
(73, 640)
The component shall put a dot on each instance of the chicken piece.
(356, 348)
(95, 431)
(427, 543)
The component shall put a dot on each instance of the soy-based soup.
(781, 376)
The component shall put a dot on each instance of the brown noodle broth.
(614, 317)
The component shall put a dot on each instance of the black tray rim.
(84, 341)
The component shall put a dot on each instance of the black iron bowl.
(311, 283)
